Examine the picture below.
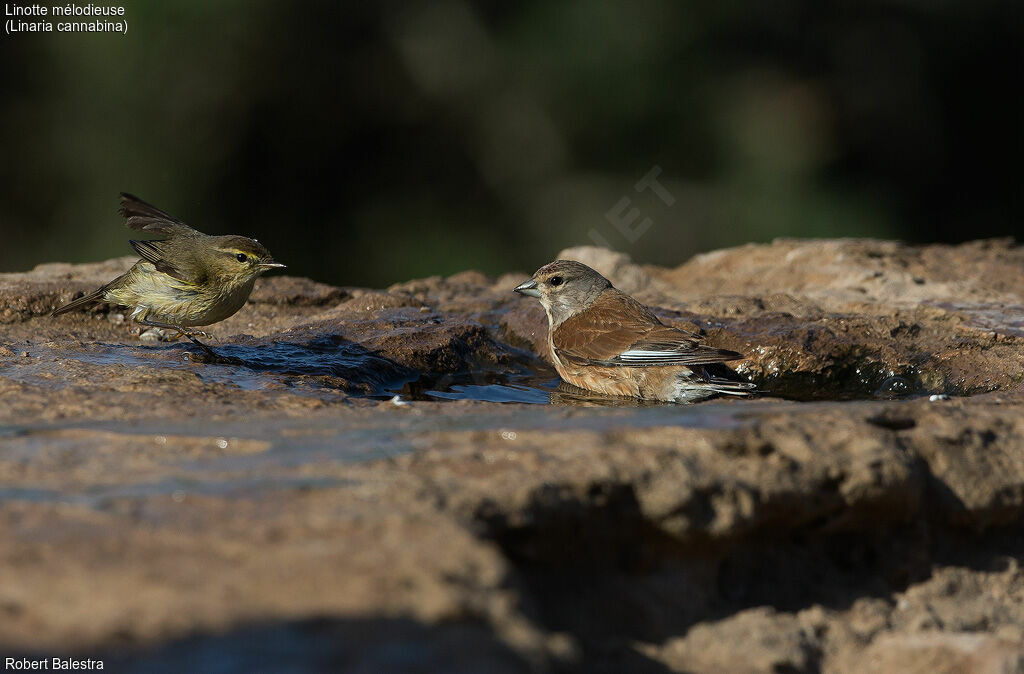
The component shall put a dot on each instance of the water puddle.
(494, 393)
(325, 366)
(319, 367)
(518, 384)
(243, 458)
(157, 460)
(100, 496)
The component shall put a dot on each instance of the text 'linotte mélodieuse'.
(89, 18)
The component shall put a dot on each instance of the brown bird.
(603, 340)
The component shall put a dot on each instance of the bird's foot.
(189, 332)
(159, 330)
(173, 334)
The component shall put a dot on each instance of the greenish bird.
(186, 278)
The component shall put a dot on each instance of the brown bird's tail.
(85, 300)
(718, 378)
(732, 388)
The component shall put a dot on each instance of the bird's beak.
(272, 265)
(528, 288)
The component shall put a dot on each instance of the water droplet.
(893, 387)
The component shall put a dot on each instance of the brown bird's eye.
(241, 257)
(556, 280)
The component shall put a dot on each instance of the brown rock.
(940, 653)
(756, 640)
(154, 501)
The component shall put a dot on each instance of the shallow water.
(312, 368)
(250, 459)
(326, 366)
(494, 393)
(317, 370)
(176, 489)
(263, 455)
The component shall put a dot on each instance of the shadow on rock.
(327, 645)
(611, 596)
(329, 361)
(411, 356)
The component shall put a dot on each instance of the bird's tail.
(732, 388)
(85, 300)
(718, 378)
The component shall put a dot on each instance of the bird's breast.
(163, 297)
(224, 304)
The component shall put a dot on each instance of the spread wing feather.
(146, 217)
(619, 331)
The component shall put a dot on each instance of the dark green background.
(367, 143)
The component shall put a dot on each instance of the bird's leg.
(183, 331)
(195, 333)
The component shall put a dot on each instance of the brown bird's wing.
(148, 218)
(619, 331)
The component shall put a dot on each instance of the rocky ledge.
(337, 493)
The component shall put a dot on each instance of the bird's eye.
(242, 257)
(555, 280)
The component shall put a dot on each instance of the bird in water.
(605, 341)
(185, 279)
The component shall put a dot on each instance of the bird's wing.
(669, 346)
(619, 331)
(148, 218)
(154, 252)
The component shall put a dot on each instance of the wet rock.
(154, 497)
(41, 290)
(944, 318)
(977, 459)
(296, 292)
(526, 325)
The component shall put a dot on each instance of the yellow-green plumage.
(156, 296)
(185, 279)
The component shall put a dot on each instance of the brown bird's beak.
(528, 288)
(272, 265)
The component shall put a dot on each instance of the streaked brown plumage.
(603, 340)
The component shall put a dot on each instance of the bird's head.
(564, 288)
(238, 259)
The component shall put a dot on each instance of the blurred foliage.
(368, 143)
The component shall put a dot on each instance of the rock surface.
(339, 491)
